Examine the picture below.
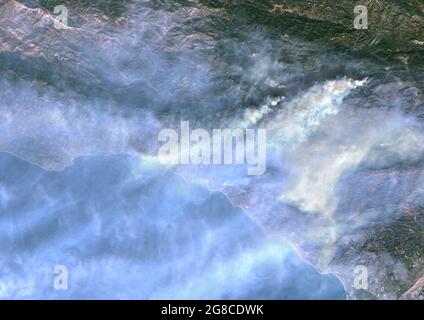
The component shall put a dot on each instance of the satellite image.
(212, 149)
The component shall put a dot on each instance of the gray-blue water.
(129, 230)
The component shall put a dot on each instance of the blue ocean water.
(125, 229)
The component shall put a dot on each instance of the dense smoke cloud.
(112, 84)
